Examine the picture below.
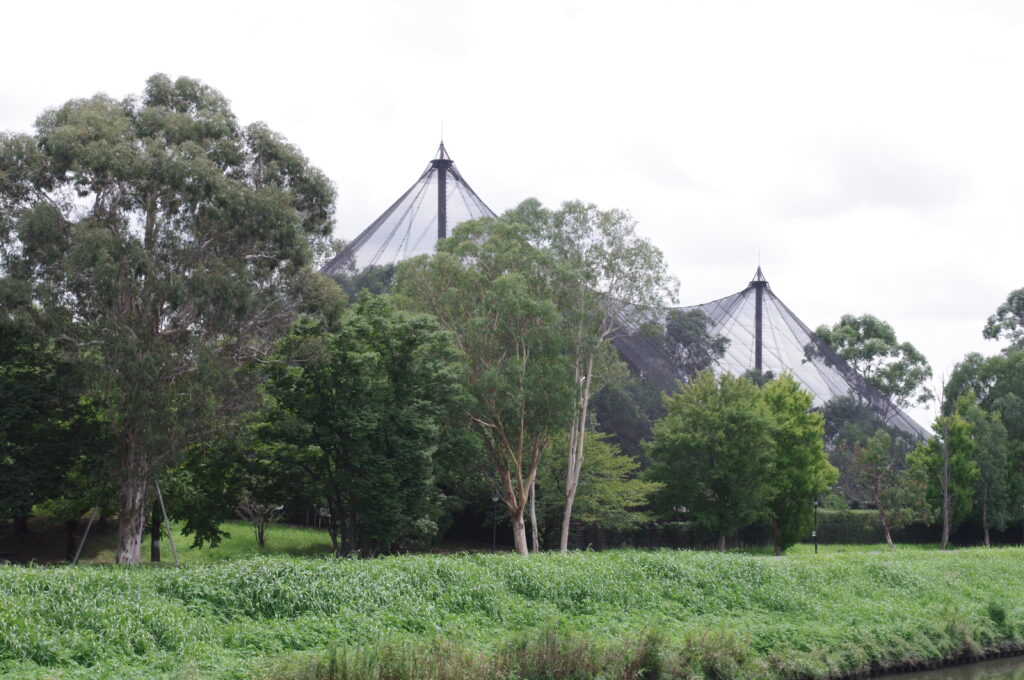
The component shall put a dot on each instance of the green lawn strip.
(725, 616)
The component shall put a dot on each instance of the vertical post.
(442, 201)
(167, 523)
(85, 535)
(814, 533)
(758, 284)
(442, 164)
(494, 521)
(758, 307)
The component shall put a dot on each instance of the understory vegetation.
(617, 614)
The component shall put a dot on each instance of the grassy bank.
(615, 614)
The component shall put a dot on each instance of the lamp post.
(814, 533)
(494, 520)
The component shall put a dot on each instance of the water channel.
(1011, 668)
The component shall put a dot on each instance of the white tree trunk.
(132, 517)
(577, 439)
(534, 534)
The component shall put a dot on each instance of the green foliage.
(870, 346)
(946, 461)
(170, 246)
(493, 290)
(610, 495)
(1008, 321)
(991, 450)
(898, 494)
(52, 440)
(801, 472)
(360, 412)
(713, 453)
(849, 424)
(491, 616)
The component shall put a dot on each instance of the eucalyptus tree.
(871, 347)
(1008, 321)
(609, 278)
(494, 291)
(168, 244)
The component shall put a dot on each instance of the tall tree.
(713, 453)
(991, 448)
(947, 461)
(169, 244)
(362, 410)
(609, 278)
(871, 347)
(494, 291)
(800, 469)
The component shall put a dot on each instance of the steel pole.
(815, 532)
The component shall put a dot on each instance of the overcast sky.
(870, 153)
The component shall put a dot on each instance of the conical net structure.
(440, 199)
(763, 335)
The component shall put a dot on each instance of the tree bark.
(519, 533)
(132, 518)
(882, 516)
(154, 534)
(945, 489)
(70, 539)
(534, 533)
(575, 462)
(777, 536)
(721, 543)
(885, 528)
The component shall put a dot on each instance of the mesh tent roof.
(786, 345)
(436, 202)
(762, 332)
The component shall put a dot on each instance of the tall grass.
(621, 614)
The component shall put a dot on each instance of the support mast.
(758, 284)
(442, 165)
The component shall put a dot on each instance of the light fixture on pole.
(494, 520)
(814, 533)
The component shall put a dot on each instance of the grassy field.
(619, 614)
(46, 544)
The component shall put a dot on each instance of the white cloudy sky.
(869, 152)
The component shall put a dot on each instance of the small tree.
(360, 411)
(713, 453)
(800, 469)
(895, 492)
(611, 495)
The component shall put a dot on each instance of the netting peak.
(759, 281)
